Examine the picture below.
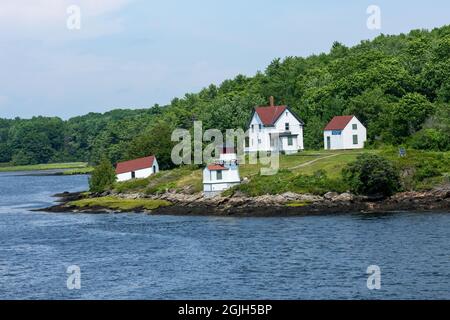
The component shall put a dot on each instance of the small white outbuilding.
(344, 132)
(222, 174)
(137, 168)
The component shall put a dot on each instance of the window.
(259, 141)
(355, 126)
(253, 128)
(355, 139)
(154, 169)
(290, 141)
(247, 142)
(259, 125)
(219, 175)
(286, 126)
(133, 174)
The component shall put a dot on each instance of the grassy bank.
(315, 172)
(114, 203)
(74, 167)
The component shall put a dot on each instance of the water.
(137, 256)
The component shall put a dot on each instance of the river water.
(138, 256)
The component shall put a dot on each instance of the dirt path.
(313, 161)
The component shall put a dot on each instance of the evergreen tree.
(103, 176)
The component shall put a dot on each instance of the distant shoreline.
(69, 168)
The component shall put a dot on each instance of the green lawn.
(314, 172)
(48, 166)
(114, 203)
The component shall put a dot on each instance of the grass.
(187, 179)
(296, 204)
(115, 203)
(48, 166)
(315, 172)
(75, 171)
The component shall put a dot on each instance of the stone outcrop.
(286, 204)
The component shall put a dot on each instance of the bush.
(430, 139)
(372, 175)
(103, 177)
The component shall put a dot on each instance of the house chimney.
(271, 101)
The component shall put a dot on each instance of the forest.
(397, 85)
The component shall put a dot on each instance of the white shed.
(344, 132)
(137, 168)
(222, 174)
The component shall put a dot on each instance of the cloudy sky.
(135, 53)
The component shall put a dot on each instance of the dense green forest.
(398, 86)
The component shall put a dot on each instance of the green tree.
(103, 177)
(154, 141)
(408, 115)
(372, 175)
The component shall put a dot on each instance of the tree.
(408, 115)
(154, 141)
(372, 175)
(103, 177)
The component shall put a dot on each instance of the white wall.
(264, 134)
(230, 175)
(139, 174)
(345, 140)
(212, 186)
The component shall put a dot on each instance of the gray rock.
(344, 197)
(330, 195)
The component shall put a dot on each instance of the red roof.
(269, 115)
(216, 167)
(134, 165)
(338, 123)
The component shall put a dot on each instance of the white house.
(137, 168)
(344, 132)
(222, 174)
(275, 128)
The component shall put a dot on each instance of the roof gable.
(134, 165)
(338, 123)
(269, 115)
(216, 167)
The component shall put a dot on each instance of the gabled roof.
(134, 165)
(338, 123)
(269, 115)
(216, 167)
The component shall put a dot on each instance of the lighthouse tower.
(223, 173)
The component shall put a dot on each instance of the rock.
(344, 197)
(330, 195)
(290, 196)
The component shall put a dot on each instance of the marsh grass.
(115, 203)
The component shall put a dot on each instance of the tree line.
(398, 86)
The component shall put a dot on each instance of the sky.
(135, 53)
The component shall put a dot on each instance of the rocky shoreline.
(287, 204)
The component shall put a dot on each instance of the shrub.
(103, 176)
(372, 175)
(430, 139)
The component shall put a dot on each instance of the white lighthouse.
(222, 174)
